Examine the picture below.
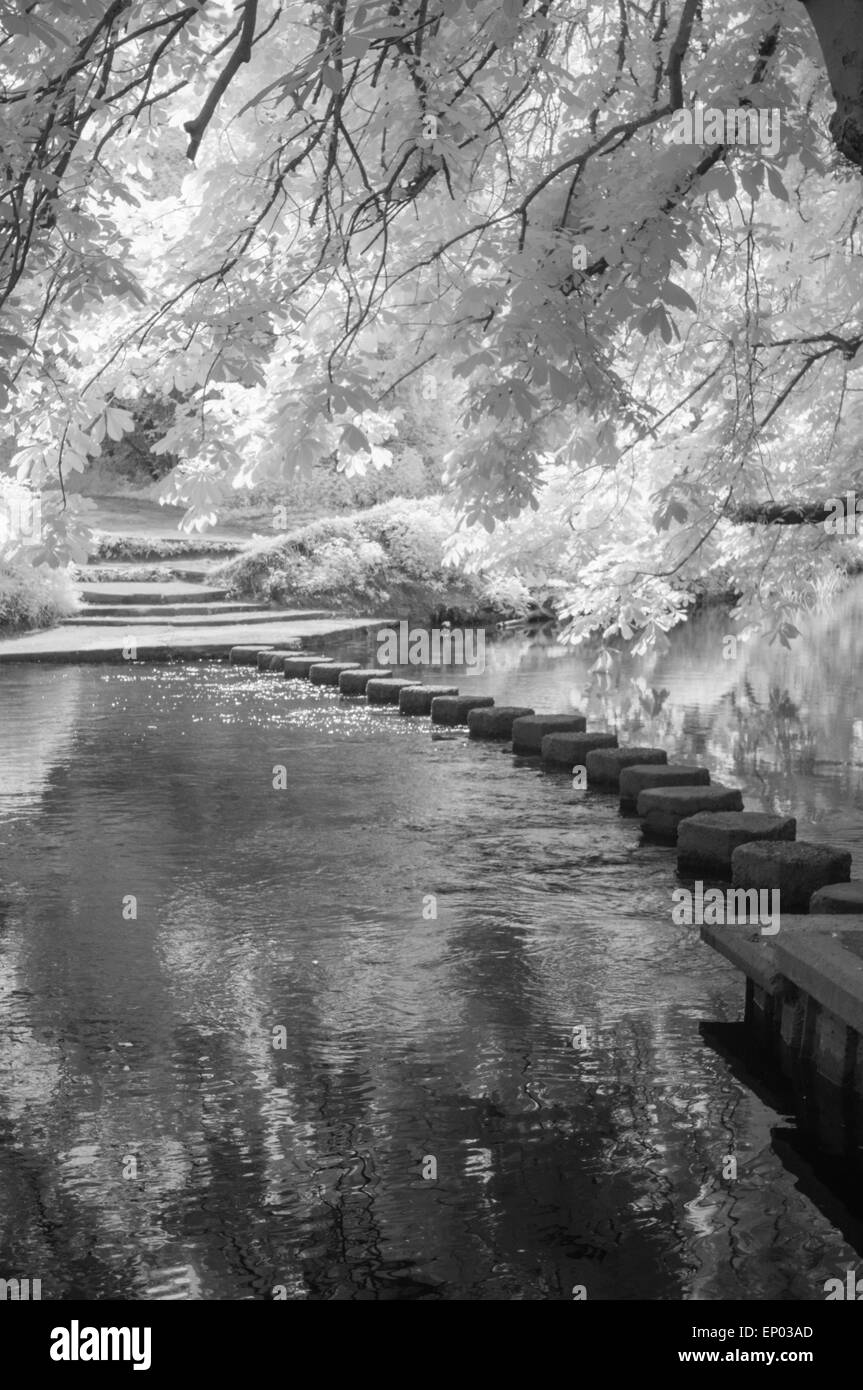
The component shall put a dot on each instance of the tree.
(642, 332)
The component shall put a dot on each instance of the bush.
(358, 558)
(34, 596)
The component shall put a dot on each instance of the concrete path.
(190, 641)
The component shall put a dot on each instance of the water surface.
(164, 910)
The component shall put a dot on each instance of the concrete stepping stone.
(298, 667)
(274, 659)
(570, 750)
(604, 765)
(636, 779)
(661, 809)
(355, 682)
(386, 690)
(838, 897)
(247, 656)
(496, 722)
(707, 840)
(797, 868)
(529, 730)
(417, 699)
(454, 709)
(328, 672)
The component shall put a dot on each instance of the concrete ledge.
(385, 690)
(529, 730)
(745, 947)
(823, 956)
(641, 776)
(328, 672)
(354, 682)
(570, 750)
(838, 898)
(797, 868)
(454, 709)
(246, 656)
(298, 667)
(661, 809)
(707, 840)
(495, 723)
(604, 765)
(417, 699)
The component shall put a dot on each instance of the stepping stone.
(328, 672)
(661, 809)
(386, 690)
(355, 682)
(298, 667)
(797, 869)
(570, 750)
(273, 660)
(417, 699)
(454, 709)
(604, 765)
(636, 779)
(529, 730)
(707, 840)
(484, 722)
(247, 656)
(838, 897)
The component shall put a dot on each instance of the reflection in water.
(165, 911)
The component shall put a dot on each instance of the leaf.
(775, 184)
(118, 422)
(354, 440)
(10, 343)
(719, 180)
(675, 295)
(563, 388)
(331, 78)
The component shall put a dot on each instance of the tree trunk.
(838, 25)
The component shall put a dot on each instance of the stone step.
(172, 591)
(838, 898)
(454, 709)
(707, 840)
(661, 809)
(203, 620)
(246, 655)
(272, 660)
(497, 722)
(570, 750)
(298, 667)
(529, 730)
(328, 672)
(385, 690)
(417, 699)
(123, 612)
(604, 765)
(637, 778)
(355, 682)
(797, 868)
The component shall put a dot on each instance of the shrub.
(34, 596)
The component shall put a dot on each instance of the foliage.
(367, 557)
(377, 247)
(34, 597)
